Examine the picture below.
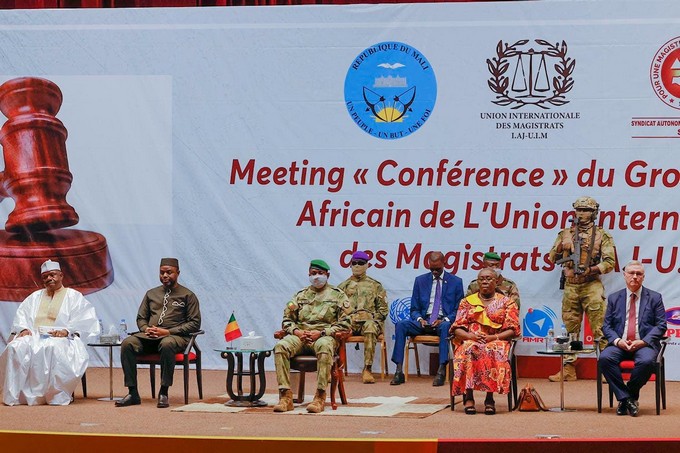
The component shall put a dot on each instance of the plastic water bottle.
(563, 332)
(101, 329)
(550, 340)
(122, 330)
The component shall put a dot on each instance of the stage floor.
(90, 416)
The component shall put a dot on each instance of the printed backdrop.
(248, 141)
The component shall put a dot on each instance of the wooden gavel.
(37, 178)
(36, 174)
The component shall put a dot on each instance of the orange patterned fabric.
(484, 366)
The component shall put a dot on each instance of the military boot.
(318, 403)
(285, 401)
(569, 374)
(367, 376)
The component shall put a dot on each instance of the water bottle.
(550, 340)
(122, 330)
(101, 329)
(563, 332)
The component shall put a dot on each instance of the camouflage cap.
(586, 203)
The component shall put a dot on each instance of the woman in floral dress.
(485, 323)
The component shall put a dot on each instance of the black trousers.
(138, 344)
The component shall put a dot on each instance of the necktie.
(437, 302)
(632, 319)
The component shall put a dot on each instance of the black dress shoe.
(633, 407)
(398, 379)
(623, 408)
(129, 400)
(163, 401)
(439, 380)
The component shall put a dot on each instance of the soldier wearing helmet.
(585, 251)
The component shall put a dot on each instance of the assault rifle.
(575, 256)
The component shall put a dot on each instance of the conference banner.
(248, 141)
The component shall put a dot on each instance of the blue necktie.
(437, 302)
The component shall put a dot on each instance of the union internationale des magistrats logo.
(531, 73)
(390, 90)
(664, 73)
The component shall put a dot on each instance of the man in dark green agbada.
(310, 319)
(166, 316)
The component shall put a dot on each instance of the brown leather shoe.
(129, 400)
(317, 405)
(285, 403)
(163, 401)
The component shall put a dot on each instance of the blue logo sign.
(673, 316)
(400, 310)
(390, 90)
(537, 322)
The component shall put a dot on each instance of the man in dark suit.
(634, 323)
(434, 304)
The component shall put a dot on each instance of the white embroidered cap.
(49, 265)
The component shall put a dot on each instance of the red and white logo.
(664, 73)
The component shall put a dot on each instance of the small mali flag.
(232, 331)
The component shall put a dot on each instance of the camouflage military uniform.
(322, 311)
(584, 293)
(504, 286)
(368, 310)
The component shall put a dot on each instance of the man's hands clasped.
(631, 345)
(156, 332)
(307, 336)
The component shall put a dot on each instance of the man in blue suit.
(634, 323)
(434, 304)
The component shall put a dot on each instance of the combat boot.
(285, 403)
(569, 374)
(318, 403)
(367, 376)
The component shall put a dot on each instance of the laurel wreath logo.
(562, 83)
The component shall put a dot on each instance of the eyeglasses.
(636, 274)
(358, 262)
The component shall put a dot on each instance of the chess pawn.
(36, 175)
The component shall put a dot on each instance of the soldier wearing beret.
(166, 316)
(310, 320)
(583, 290)
(368, 309)
(505, 286)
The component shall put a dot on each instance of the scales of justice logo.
(531, 73)
(390, 90)
(664, 73)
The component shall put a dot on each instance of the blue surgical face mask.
(318, 280)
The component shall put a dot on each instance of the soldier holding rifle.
(585, 251)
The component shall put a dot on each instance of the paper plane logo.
(538, 321)
(664, 73)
